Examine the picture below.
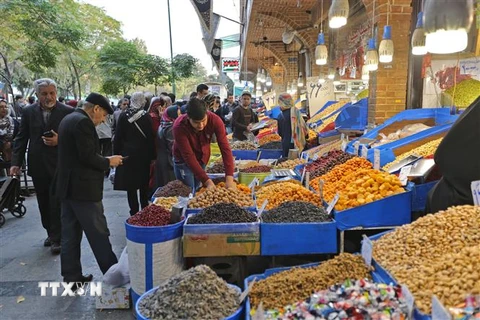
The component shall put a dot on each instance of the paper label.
(264, 205)
(376, 159)
(404, 173)
(367, 250)
(408, 296)
(307, 179)
(275, 163)
(342, 137)
(333, 203)
(259, 155)
(303, 174)
(247, 291)
(476, 192)
(344, 146)
(307, 157)
(259, 313)
(356, 146)
(315, 157)
(438, 310)
(364, 151)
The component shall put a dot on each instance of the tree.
(156, 70)
(183, 66)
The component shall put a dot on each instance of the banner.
(318, 94)
(204, 11)
(209, 35)
(216, 53)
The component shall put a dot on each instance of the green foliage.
(183, 65)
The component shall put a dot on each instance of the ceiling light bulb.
(418, 38)
(300, 80)
(372, 56)
(268, 82)
(321, 51)
(385, 49)
(338, 14)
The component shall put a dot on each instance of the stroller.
(10, 198)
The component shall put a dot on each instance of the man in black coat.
(38, 131)
(79, 185)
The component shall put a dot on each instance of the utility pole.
(171, 48)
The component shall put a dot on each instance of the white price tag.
(321, 183)
(342, 137)
(408, 296)
(259, 155)
(307, 157)
(315, 157)
(275, 163)
(247, 291)
(356, 146)
(264, 205)
(367, 250)
(376, 159)
(259, 313)
(333, 203)
(476, 192)
(344, 146)
(438, 310)
(307, 180)
(303, 174)
(403, 176)
(364, 152)
(254, 183)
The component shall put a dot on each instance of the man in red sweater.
(192, 134)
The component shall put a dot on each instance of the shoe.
(47, 242)
(56, 248)
(81, 283)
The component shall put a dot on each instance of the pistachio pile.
(435, 253)
(212, 196)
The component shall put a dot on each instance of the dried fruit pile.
(174, 189)
(166, 202)
(324, 164)
(274, 145)
(243, 145)
(257, 169)
(213, 196)
(197, 293)
(222, 213)
(437, 254)
(241, 187)
(296, 284)
(328, 110)
(290, 164)
(425, 150)
(324, 148)
(296, 212)
(216, 167)
(151, 216)
(269, 138)
(278, 193)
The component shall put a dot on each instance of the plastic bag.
(118, 274)
(111, 175)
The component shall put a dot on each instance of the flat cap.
(98, 99)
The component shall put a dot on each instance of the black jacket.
(238, 121)
(285, 131)
(81, 168)
(42, 159)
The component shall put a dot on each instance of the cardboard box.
(220, 240)
(113, 298)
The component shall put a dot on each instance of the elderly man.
(79, 185)
(38, 131)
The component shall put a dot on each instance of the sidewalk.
(24, 262)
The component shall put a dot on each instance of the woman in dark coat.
(134, 139)
(291, 126)
(164, 170)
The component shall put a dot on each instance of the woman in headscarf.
(164, 165)
(134, 140)
(291, 126)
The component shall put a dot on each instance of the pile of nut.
(222, 213)
(173, 189)
(249, 164)
(437, 254)
(280, 192)
(296, 212)
(166, 202)
(327, 162)
(269, 138)
(425, 150)
(290, 286)
(241, 187)
(197, 293)
(211, 196)
(243, 145)
(340, 171)
(290, 164)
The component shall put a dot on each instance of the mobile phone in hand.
(48, 134)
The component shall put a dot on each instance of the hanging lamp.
(268, 81)
(259, 75)
(385, 49)
(372, 56)
(418, 37)
(338, 14)
(446, 24)
(264, 76)
(259, 86)
(321, 51)
(264, 89)
(365, 73)
(300, 80)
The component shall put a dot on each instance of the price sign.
(259, 155)
(342, 137)
(315, 157)
(307, 179)
(275, 163)
(264, 205)
(303, 174)
(408, 296)
(438, 310)
(376, 159)
(333, 203)
(367, 250)
(364, 152)
(247, 291)
(476, 192)
(307, 157)
(403, 176)
(356, 146)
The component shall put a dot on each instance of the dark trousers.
(78, 216)
(133, 199)
(49, 207)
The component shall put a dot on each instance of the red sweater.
(193, 148)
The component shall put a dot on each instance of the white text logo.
(70, 289)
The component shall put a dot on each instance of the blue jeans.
(184, 174)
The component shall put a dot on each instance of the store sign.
(230, 65)
(318, 94)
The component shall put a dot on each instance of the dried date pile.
(174, 188)
(223, 213)
(257, 169)
(296, 211)
(197, 293)
(151, 216)
(273, 145)
(325, 163)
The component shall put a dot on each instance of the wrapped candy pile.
(359, 299)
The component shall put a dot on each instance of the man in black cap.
(243, 118)
(79, 185)
(38, 131)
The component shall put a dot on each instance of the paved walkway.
(24, 262)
